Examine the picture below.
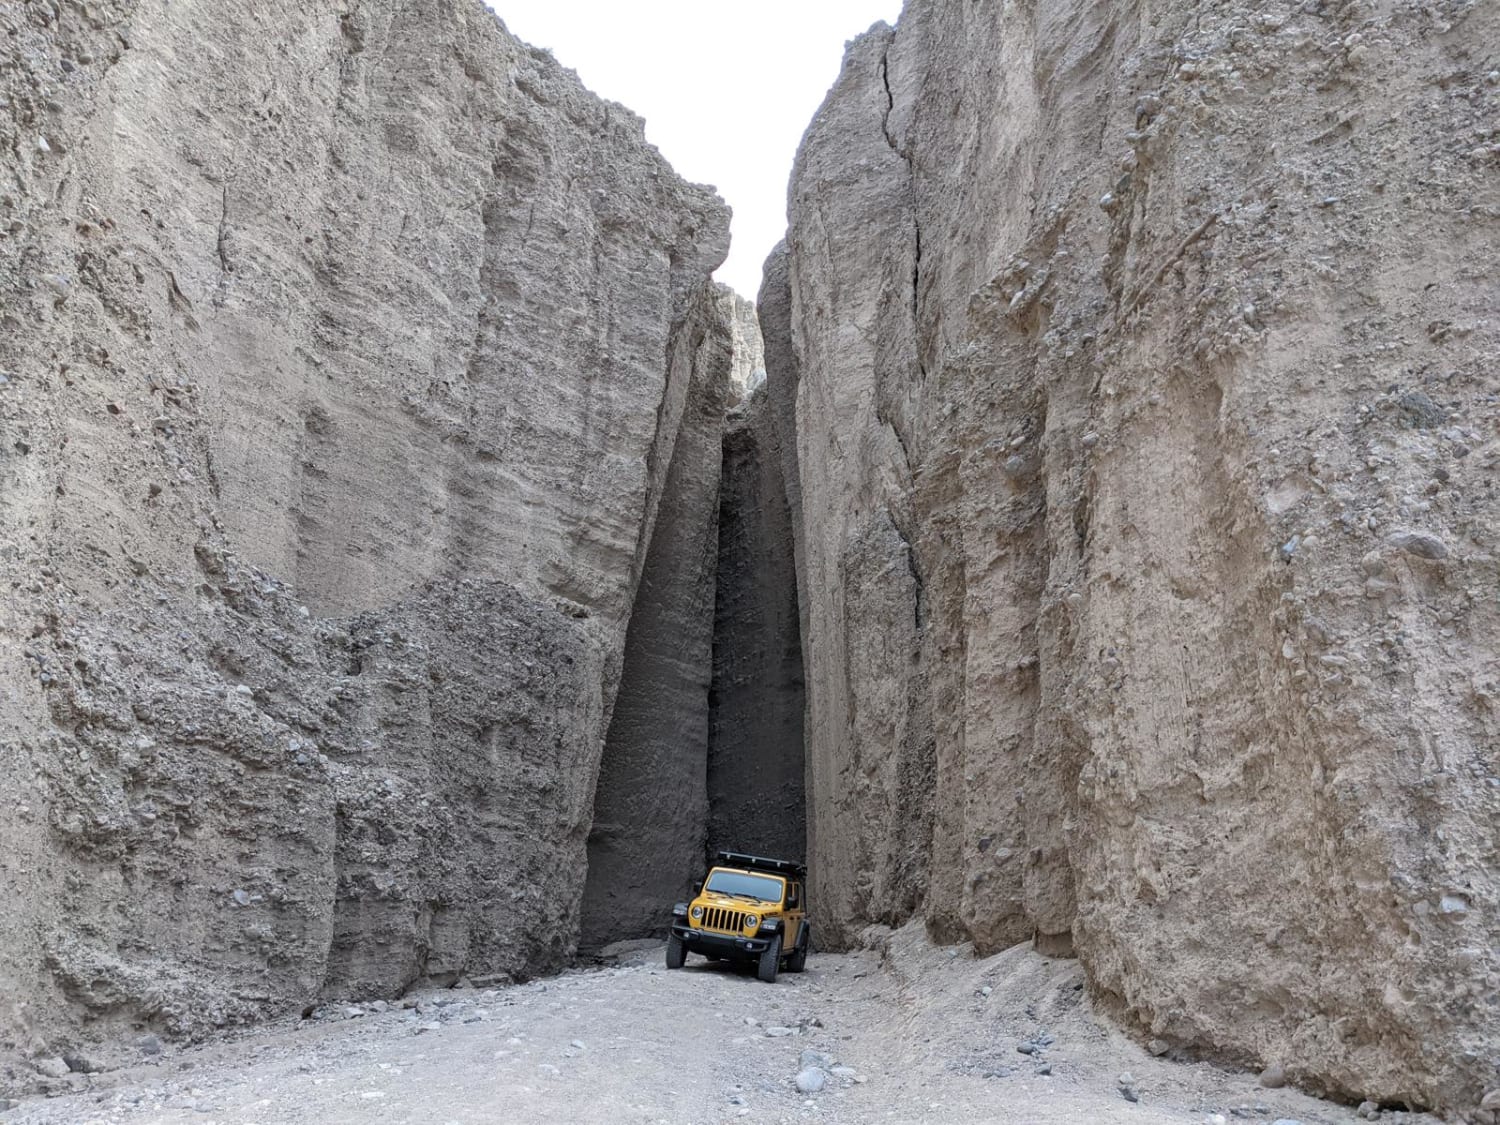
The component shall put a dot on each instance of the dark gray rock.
(1419, 543)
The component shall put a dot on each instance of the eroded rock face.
(869, 736)
(341, 382)
(650, 813)
(749, 346)
(1144, 423)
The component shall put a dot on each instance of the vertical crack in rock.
(870, 750)
(916, 217)
(890, 98)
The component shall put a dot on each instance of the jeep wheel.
(676, 952)
(798, 960)
(770, 961)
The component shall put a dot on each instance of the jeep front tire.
(676, 952)
(770, 961)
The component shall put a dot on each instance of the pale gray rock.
(1072, 350)
(810, 1080)
(328, 500)
(749, 370)
(52, 1067)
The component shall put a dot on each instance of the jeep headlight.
(697, 912)
(751, 921)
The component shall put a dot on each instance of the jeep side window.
(794, 896)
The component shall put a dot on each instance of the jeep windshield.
(762, 888)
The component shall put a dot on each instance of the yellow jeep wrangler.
(747, 909)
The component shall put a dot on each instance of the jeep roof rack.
(760, 863)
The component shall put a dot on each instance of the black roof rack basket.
(760, 863)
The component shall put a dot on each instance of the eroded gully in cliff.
(704, 749)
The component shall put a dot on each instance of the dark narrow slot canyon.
(756, 799)
(705, 746)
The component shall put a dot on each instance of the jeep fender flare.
(804, 933)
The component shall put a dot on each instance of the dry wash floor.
(634, 1043)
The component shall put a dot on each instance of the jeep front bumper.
(720, 945)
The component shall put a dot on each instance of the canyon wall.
(1142, 369)
(705, 744)
(749, 369)
(345, 354)
(650, 816)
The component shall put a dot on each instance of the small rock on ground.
(811, 1080)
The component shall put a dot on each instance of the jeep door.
(794, 913)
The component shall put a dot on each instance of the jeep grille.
(725, 921)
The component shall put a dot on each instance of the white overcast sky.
(726, 89)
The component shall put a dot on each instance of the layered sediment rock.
(649, 820)
(705, 746)
(340, 386)
(1144, 423)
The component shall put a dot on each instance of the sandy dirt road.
(913, 1033)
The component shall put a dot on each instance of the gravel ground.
(904, 1032)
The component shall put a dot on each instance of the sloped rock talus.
(345, 352)
(1143, 369)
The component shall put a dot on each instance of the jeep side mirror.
(698, 887)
